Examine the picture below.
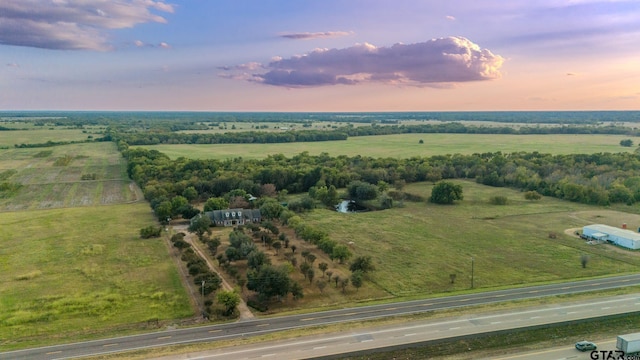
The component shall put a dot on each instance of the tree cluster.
(601, 178)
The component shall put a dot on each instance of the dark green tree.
(445, 192)
(361, 191)
(229, 300)
(212, 281)
(311, 274)
(626, 142)
(296, 290)
(269, 281)
(363, 264)
(304, 268)
(216, 203)
(164, 211)
(201, 226)
(271, 209)
(277, 245)
(341, 252)
(213, 244)
(177, 204)
(357, 279)
(323, 266)
(190, 193)
(256, 259)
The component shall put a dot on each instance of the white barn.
(625, 238)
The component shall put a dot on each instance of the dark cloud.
(430, 63)
(315, 35)
(72, 25)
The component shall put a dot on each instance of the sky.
(330, 55)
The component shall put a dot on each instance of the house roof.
(611, 230)
(233, 214)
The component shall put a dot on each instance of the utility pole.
(203, 299)
(472, 272)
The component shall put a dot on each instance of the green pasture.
(230, 126)
(42, 135)
(407, 145)
(69, 273)
(417, 247)
(51, 177)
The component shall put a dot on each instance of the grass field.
(68, 273)
(40, 135)
(417, 247)
(79, 268)
(72, 264)
(407, 145)
(52, 177)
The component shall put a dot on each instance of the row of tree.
(342, 133)
(171, 185)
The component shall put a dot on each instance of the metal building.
(622, 237)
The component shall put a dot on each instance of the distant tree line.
(245, 137)
(460, 128)
(342, 133)
(58, 143)
(600, 179)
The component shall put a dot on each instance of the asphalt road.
(263, 326)
(428, 330)
(563, 353)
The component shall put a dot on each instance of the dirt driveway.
(245, 312)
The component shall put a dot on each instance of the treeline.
(248, 137)
(600, 179)
(459, 128)
(258, 137)
(59, 143)
(175, 121)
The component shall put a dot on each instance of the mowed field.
(417, 247)
(407, 145)
(52, 177)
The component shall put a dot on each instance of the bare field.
(407, 145)
(46, 184)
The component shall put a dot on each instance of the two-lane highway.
(425, 332)
(262, 326)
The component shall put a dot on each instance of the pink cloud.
(430, 63)
(72, 25)
(315, 35)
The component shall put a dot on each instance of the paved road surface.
(427, 330)
(263, 326)
(567, 352)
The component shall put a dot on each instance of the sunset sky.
(330, 55)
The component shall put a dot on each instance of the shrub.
(150, 232)
(626, 142)
(498, 200)
(532, 195)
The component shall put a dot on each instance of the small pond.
(349, 206)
